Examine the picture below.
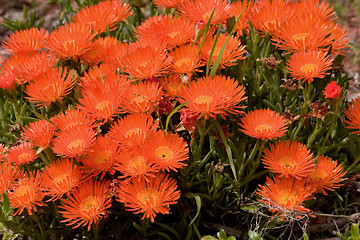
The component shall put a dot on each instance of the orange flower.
(50, 87)
(26, 193)
(115, 52)
(200, 10)
(142, 63)
(133, 163)
(59, 178)
(315, 9)
(353, 115)
(186, 60)
(71, 119)
(302, 33)
(101, 158)
(309, 65)
(268, 16)
(99, 51)
(332, 90)
(285, 195)
(3, 152)
(25, 41)
(142, 97)
(233, 51)
(168, 151)
(70, 40)
(22, 154)
(87, 205)
(151, 197)
(132, 130)
(327, 175)
(236, 9)
(338, 38)
(74, 142)
(168, 3)
(103, 15)
(7, 81)
(207, 98)
(39, 132)
(8, 174)
(264, 124)
(172, 84)
(177, 31)
(289, 159)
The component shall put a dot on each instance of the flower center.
(104, 104)
(21, 191)
(174, 87)
(68, 44)
(132, 132)
(287, 162)
(164, 153)
(318, 174)
(263, 128)
(136, 162)
(173, 35)
(206, 16)
(60, 178)
(270, 24)
(148, 196)
(75, 145)
(286, 197)
(23, 157)
(89, 203)
(308, 68)
(300, 36)
(183, 62)
(139, 99)
(203, 99)
(101, 157)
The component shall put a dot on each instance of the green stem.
(202, 134)
(301, 123)
(357, 160)
(38, 222)
(333, 122)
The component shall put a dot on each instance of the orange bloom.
(268, 16)
(70, 40)
(7, 81)
(29, 67)
(332, 90)
(103, 15)
(50, 87)
(353, 115)
(142, 97)
(115, 52)
(200, 10)
(172, 84)
(25, 41)
(8, 174)
(39, 132)
(21, 154)
(3, 152)
(285, 195)
(101, 157)
(339, 39)
(168, 151)
(327, 175)
(207, 98)
(87, 205)
(264, 124)
(71, 119)
(74, 142)
(132, 130)
(26, 193)
(302, 33)
(177, 31)
(315, 9)
(236, 9)
(168, 3)
(151, 197)
(309, 65)
(142, 63)
(186, 60)
(133, 163)
(233, 51)
(60, 178)
(289, 159)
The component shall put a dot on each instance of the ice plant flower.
(352, 114)
(71, 119)
(206, 98)
(172, 85)
(285, 196)
(8, 174)
(327, 175)
(59, 178)
(238, 8)
(308, 65)
(289, 159)
(186, 60)
(168, 151)
(149, 197)
(25, 41)
(132, 130)
(74, 142)
(339, 39)
(22, 154)
(7, 81)
(264, 124)
(50, 87)
(168, 3)
(39, 133)
(332, 90)
(26, 193)
(87, 205)
(233, 51)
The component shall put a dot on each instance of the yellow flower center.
(136, 162)
(21, 191)
(75, 145)
(184, 62)
(308, 68)
(60, 178)
(148, 196)
(89, 203)
(173, 35)
(164, 153)
(287, 162)
(318, 174)
(174, 87)
(263, 128)
(286, 197)
(300, 36)
(23, 157)
(102, 105)
(203, 99)
(139, 99)
(101, 157)
(206, 16)
(68, 44)
(132, 132)
(269, 24)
